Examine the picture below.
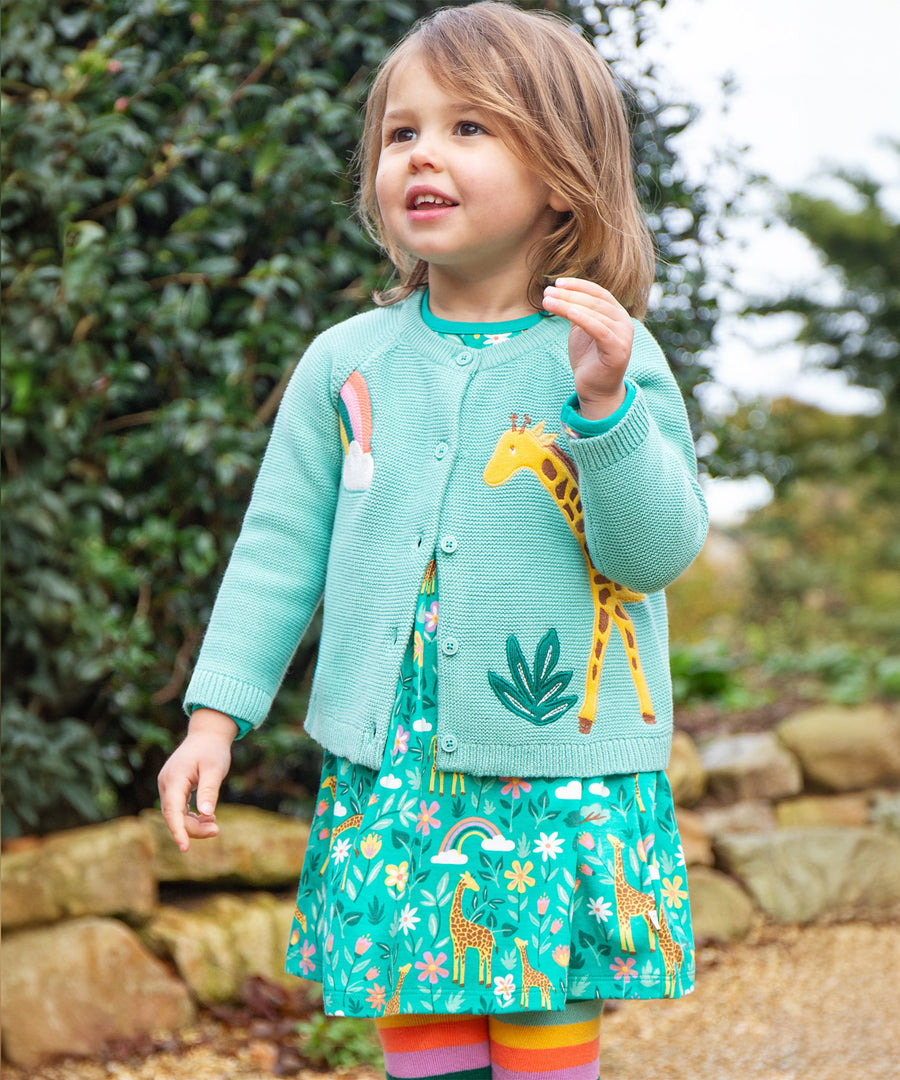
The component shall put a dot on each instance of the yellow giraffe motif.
(436, 774)
(533, 448)
(532, 978)
(466, 934)
(428, 580)
(672, 954)
(631, 904)
(330, 782)
(352, 822)
(392, 1008)
(637, 794)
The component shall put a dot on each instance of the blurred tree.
(859, 333)
(851, 324)
(175, 230)
(683, 216)
(823, 587)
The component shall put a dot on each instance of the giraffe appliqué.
(525, 447)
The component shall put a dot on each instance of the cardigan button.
(449, 544)
(464, 358)
(440, 450)
(450, 646)
(449, 743)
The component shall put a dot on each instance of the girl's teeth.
(431, 199)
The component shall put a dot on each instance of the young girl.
(494, 849)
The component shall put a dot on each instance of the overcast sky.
(817, 88)
(817, 79)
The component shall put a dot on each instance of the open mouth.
(428, 200)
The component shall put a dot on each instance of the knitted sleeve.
(645, 515)
(276, 574)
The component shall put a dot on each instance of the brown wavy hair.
(558, 108)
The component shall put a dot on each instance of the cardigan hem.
(614, 757)
(570, 760)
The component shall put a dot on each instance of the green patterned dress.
(431, 892)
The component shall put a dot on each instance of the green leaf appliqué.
(535, 695)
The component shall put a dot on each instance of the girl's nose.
(423, 155)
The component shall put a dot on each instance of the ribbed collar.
(419, 339)
(449, 326)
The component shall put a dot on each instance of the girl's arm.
(270, 590)
(645, 516)
(276, 574)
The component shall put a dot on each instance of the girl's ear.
(559, 203)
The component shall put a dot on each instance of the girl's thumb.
(206, 800)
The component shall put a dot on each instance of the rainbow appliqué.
(355, 412)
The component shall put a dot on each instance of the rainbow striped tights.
(513, 1046)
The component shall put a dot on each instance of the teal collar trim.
(448, 326)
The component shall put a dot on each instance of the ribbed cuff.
(247, 705)
(601, 451)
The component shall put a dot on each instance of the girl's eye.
(469, 127)
(402, 135)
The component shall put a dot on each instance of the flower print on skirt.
(431, 892)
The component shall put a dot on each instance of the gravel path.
(814, 1003)
(795, 1003)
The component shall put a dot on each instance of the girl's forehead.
(409, 71)
(414, 68)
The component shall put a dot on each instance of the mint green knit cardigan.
(377, 463)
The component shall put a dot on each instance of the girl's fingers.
(173, 800)
(582, 285)
(208, 791)
(200, 826)
(607, 335)
(597, 324)
(183, 823)
(569, 304)
(573, 290)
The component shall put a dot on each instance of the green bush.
(707, 672)
(336, 1042)
(172, 238)
(175, 230)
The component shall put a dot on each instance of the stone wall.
(794, 825)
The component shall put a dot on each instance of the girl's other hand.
(599, 343)
(200, 764)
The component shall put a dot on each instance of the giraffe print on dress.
(631, 904)
(532, 978)
(672, 953)
(392, 1008)
(466, 934)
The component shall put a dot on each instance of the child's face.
(449, 189)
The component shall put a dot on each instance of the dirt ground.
(793, 1003)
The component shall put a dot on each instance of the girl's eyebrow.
(401, 112)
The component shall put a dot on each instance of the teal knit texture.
(393, 446)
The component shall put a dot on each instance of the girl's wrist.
(599, 407)
(212, 722)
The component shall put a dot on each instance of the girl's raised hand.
(599, 343)
(200, 764)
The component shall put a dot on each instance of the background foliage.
(815, 609)
(176, 227)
